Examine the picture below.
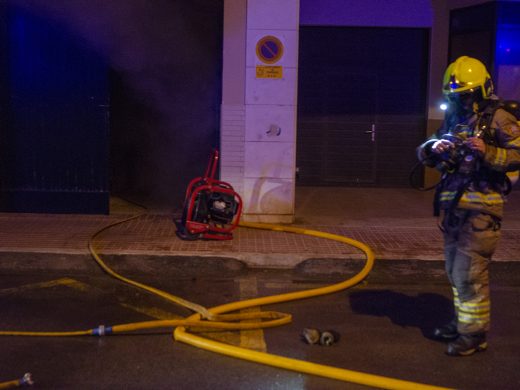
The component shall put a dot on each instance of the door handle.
(372, 132)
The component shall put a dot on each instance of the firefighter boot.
(447, 332)
(467, 344)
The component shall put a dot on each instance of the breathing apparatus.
(467, 86)
(468, 89)
(459, 157)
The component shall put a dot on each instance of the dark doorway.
(361, 104)
(165, 99)
(473, 39)
(54, 118)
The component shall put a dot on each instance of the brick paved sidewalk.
(154, 234)
(395, 223)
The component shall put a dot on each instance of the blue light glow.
(508, 45)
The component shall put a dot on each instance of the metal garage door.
(361, 104)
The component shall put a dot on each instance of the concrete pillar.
(258, 125)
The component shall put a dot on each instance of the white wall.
(258, 163)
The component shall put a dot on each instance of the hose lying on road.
(217, 318)
(26, 380)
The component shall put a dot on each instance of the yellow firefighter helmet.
(467, 75)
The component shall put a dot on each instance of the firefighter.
(477, 144)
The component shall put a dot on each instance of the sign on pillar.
(269, 50)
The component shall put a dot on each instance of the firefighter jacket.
(470, 181)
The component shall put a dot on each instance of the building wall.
(374, 13)
(259, 166)
(233, 117)
(258, 125)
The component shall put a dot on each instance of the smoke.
(143, 40)
(165, 57)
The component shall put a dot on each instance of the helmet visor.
(464, 100)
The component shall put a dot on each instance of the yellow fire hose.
(26, 380)
(216, 318)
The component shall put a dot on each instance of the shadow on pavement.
(424, 311)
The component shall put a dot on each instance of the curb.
(391, 271)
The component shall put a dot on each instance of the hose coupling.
(311, 336)
(26, 380)
(314, 336)
(327, 338)
(102, 330)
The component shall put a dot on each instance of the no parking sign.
(269, 50)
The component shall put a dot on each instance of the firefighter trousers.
(470, 238)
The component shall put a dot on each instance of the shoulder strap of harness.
(485, 120)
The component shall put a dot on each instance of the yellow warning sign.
(269, 72)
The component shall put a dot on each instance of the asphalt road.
(384, 329)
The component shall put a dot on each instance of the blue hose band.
(102, 330)
(26, 380)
